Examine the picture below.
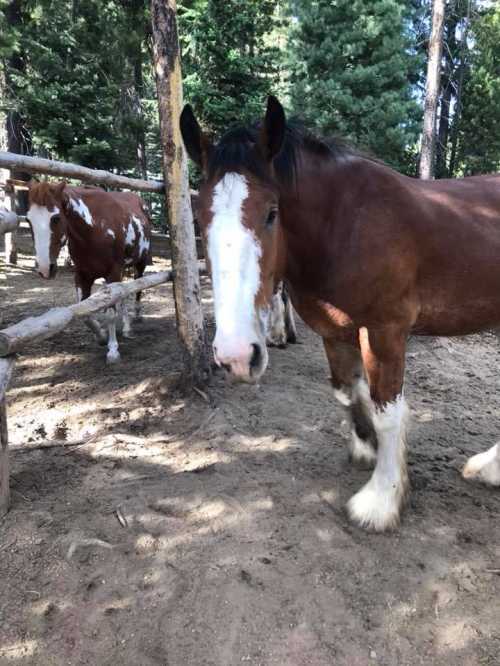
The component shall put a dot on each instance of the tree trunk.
(166, 61)
(448, 82)
(141, 135)
(427, 153)
(460, 85)
(18, 135)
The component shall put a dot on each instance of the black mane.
(236, 150)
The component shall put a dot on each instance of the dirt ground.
(176, 531)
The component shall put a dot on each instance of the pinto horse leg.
(138, 273)
(83, 290)
(290, 328)
(125, 315)
(277, 335)
(379, 503)
(113, 355)
(484, 467)
(351, 390)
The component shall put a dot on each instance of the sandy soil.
(190, 531)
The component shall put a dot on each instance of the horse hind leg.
(138, 273)
(290, 327)
(484, 467)
(125, 316)
(351, 390)
(276, 333)
(83, 290)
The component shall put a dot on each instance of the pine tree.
(351, 73)
(479, 125)
(229, 61)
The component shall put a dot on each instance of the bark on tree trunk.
(141, 135)
(190, 324)
(427, 153)
(18, 135)
(450, 52)
(460, 85)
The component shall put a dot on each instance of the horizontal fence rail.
(15, 338)
(86, 175)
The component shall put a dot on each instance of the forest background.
(77, 84)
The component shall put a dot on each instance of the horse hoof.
(484, 467)
(128, 335)
(112, 357)
(375, 510)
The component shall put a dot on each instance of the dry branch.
(16, 337)
(68, 170)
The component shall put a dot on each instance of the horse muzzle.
(244, 363)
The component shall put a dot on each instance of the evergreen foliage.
(352, 70)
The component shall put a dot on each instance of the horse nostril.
(256, 357)
(226, 366)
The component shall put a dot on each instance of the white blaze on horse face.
(39, 218)
(234, 254)
(82, 210)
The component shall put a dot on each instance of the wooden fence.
(33, 329)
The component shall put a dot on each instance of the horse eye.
(271, 218)
(56, 219)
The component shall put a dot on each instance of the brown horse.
(105, 231)
(370, 257)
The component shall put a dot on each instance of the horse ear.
(272, 133)
(60, 193)
(197, 144)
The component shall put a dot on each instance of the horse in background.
(370, 257)
(106, 232)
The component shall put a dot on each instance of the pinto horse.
(105, 231)
(370, 257)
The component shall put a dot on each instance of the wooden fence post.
(166, 61)
(10, 238)
(6, 367)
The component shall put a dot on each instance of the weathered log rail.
(86, 175)
(32, 329)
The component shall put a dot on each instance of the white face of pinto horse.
(47, 225)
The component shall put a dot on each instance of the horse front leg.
(351, 390)
(111, 316)
(379, 503)
(83, 287)
(113, 354)
(484, 467)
